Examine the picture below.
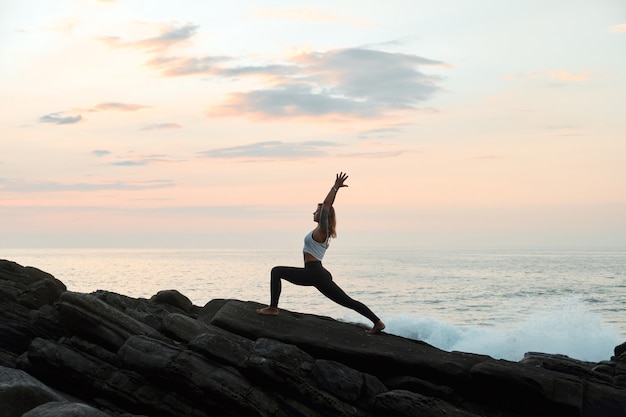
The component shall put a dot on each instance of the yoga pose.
(314, 274)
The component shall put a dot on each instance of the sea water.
(501, 303)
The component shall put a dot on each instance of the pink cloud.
(568, 76)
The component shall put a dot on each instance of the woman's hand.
(339, 181)
(330, 198)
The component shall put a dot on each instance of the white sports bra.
(313, 247)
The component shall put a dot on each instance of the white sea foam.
(568, 329)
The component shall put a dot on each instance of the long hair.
(332, 223)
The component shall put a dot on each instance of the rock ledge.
(106, 354)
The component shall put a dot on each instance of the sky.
(150, 123)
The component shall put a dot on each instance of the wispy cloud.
(101, 152)
(141, 161)
(381, 133)
(59, 119)
(621, 28)
(118, 106)
(561, 75)
(271, 150)
(568, 76)
(169, 36)
(134, 161)
(170, 66)
(162, 126)
(55, 186)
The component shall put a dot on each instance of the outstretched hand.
(339, 181)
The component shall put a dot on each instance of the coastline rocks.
(54, 409)
(106, 354)
(20, 392)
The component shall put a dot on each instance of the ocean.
(501, 303)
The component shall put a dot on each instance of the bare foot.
(378, 327)
(268, 311)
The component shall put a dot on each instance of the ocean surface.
(501, 303)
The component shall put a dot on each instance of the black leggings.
(314, 274)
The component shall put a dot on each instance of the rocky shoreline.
(64, 353)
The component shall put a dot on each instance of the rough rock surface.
(106, 354)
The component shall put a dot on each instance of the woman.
(313, 273)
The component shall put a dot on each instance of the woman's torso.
(313, 250)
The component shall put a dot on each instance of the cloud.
(291, 100)
(59, 119)
(137, 163)
(382, 133)
(141, 161)
(555, 74)
(162, 126)
(356, 83)
(271, 150)
(361, 82)
(618, 28)
(118, 106)
(568, 76)
(169, 36)
(180, 66)
(173, 66)
(100, 153)
(53, 186)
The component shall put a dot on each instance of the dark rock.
(7, 359)
(55, 409)
(149, 312)
(286, 369)
(99, 381)
(517, 386)
(20, 392)
(335, 377)
(208, 340)
(372, 386)
(565, 365)
(420, 386)
(399, 403)
(325, 338)
(211, 308)
(28, 286)
(289, 356)
(26, 295)
(220, 345)
(602, 400)
(620, 349)
(173, 298)
(161, 357)
(192, 374)
(182, 327)
(89, 316)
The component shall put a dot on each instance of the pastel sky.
(221, 124)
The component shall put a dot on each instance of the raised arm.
(321, 232)
(330, 198)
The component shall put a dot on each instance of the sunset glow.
(135, 123)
